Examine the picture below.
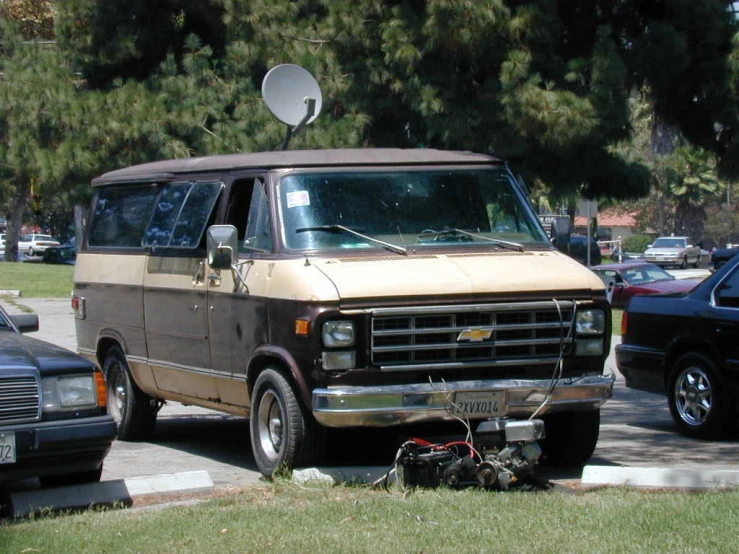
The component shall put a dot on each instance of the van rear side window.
(181, 214)
(121, 214)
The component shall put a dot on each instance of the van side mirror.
(223, 245)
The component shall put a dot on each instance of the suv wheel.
(697, 396)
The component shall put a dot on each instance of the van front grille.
(455, 336)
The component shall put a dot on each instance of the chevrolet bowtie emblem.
(477, 334)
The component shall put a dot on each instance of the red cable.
(468, 445)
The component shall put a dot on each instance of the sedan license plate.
(479, 404)
(7, 448)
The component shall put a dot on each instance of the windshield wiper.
(342, 229)
(457, 232)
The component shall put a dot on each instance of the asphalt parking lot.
(636, 430)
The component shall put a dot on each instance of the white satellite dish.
(288, 90)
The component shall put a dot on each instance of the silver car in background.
(673, 251)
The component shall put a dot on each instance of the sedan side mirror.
(26, 323)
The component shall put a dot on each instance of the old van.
(338, 288)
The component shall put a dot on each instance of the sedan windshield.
(409, 209)
(646, 274)
(669, 243)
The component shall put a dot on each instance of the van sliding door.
(175, 307)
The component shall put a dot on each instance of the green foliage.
(542, 83)
(636, 243)
(130, 38)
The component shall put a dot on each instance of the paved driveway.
(636, 430)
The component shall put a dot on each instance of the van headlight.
(590, 322)
(69, 392)
(338, 334)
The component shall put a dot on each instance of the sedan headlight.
(338, 333)
(72, 392)
(590, 322)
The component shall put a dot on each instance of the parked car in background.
(673, 251)
(34, 244)
(686, 347)
(578, 249)
(720, 257)
(636, 277)
(54, 423)
(64, 254)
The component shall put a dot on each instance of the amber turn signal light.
(302, 327)
(102, 391)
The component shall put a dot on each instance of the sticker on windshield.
(298, 198)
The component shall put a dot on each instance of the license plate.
(480, 404)
(7, 448)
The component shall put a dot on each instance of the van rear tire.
(284, 434)
(132, 409)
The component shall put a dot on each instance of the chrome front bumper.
(385, 406)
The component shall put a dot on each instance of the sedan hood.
(662, 251)
(676, 285)
(20, 351)
(458, 274)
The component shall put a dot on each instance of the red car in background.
(632, 278)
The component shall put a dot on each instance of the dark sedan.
(54, 424)
(632, 278)
(687, 348)
(64, 254)
(720, 257)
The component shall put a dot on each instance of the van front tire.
(284, 435)
(132, 409)
(571, 438)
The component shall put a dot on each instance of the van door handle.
(197, 278)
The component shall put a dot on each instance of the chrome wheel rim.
(271, 425)
(116, 392)
(693, 396)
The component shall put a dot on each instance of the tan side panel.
(284, 279)
(114, 269)
(111, 285)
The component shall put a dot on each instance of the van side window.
(181, 214)
(258, 228)
(121, 214)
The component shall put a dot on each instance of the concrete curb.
(11, 293)
(660, 477)
(336, 475)
(121, 491)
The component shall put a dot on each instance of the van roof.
(167, 169)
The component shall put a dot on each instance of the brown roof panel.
(166, 169)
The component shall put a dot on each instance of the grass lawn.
(286, 517)
(37, 280)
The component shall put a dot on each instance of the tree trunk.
(80, 216)
(15, 220)
(689, 221)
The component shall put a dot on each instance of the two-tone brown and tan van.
(338, 288)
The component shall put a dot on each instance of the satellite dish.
(288, 90)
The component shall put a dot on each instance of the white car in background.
(673, 251)
(35, 244)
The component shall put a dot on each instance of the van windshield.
(409, 208)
